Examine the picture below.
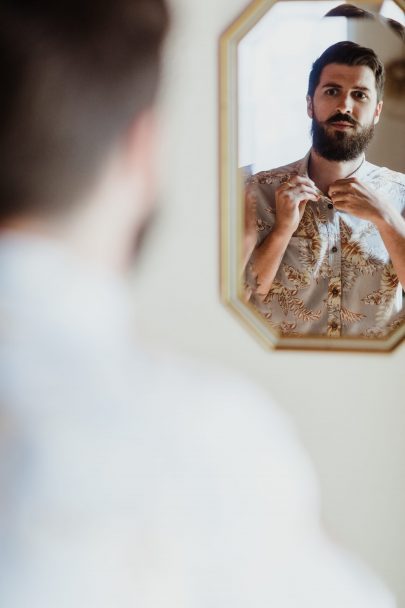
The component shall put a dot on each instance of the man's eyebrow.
(339, 86)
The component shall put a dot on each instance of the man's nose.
(345, 105)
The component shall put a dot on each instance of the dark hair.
(350, 11)
(355, 12)
(395, 26)
(347, 53)
(74, 74)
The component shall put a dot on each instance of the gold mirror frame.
(232, 212)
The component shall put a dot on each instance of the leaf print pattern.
(312, 256)
(387, 291)
(300, 311)
(334, 324)
(283, 328)
(299, 279)
(307, 227)
(349, 316)
(333, 302)
(289, 302)
(261, 225)
(288, 329)
(380, 332)
(335, 277)
(384, 298)
(356, 260)
(270, 177)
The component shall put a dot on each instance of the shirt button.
(334, 249)
(330, 206)
(335, 292)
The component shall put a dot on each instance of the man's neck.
(324, 172)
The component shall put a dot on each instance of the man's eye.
(331, 92)
(359, 95)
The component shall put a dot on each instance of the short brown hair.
(348, 53)
(74, 74)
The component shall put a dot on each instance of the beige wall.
(350, 409)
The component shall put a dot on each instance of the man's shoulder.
(277, 175)
(386, 174)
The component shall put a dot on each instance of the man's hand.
(291, 199)
(354, 197)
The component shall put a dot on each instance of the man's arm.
(291, 199)
(266, 259)
(356, 198)
(392, 230)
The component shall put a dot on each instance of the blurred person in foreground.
(125, 481)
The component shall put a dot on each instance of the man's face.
(344, 111)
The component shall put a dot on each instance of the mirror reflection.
(324, 242)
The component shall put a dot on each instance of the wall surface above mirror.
(313, 189)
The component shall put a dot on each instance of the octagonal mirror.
(312, 113)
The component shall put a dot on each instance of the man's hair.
(74, 75)
(347, 53)
(354, 12)
(350, 11)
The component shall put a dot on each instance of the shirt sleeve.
(259, 219)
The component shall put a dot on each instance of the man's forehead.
(348, 75)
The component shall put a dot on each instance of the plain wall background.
(349, 408)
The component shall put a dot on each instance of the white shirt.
(132, 482)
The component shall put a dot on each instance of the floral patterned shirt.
(336, 277)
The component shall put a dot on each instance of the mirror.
(313, 190)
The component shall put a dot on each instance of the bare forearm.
(290, 201)
(392, 230)
(266, 259)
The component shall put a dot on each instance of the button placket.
(334, 297)
(334, 305)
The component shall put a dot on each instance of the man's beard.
(340, 145)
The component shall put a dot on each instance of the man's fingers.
(298, 194)
(295, 180)
(296, 188)
(346, 180)
(307, 190)
(343, 186)
(338, 192)
(304, 180)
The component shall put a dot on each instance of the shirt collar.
(362, 170)
(45, 284)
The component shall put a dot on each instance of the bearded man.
(329, 241)
(122, 478)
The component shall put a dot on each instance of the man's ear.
(139, 147)
(310, 109)
(138, 161)
(140, 140)
(378, 112)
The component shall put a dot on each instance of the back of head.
(74, 74)
(349, 10)
(351, 54)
